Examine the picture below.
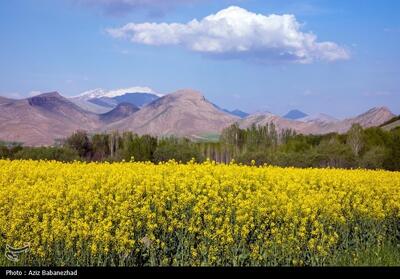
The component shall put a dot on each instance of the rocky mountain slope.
(320, 125)
(319, 118)
(102, 101)
(42, 119)
(183, 113)
(122, 111)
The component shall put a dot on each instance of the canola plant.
(171, 214)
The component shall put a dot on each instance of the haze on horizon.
(336, 57)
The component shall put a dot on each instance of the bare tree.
(355, 139)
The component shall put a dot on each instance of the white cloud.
(237, 33)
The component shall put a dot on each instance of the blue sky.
(68, 46)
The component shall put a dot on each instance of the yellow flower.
(193, 214)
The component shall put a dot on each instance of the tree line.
(372, 148)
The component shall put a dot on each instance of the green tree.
(374, 158)
(333, 153)
(4, 152)
(139, 148)
(80, 142)
(181, 150)
(62, 154)
(233, 135)
(393, 160)
(100, 147)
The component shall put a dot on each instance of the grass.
(386, 255)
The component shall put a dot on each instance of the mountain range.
(102, 101)
(183, 113)
(295, 114)
(320, 124)
(42, 119)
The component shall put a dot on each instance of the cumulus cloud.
(237, 33)
(125, 6)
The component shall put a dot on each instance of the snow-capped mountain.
(102, 93)
(101, 100)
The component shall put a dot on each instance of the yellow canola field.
(134, 214)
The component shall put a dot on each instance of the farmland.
(209, 214)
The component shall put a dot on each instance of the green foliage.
(375, 137)
(371, 148)
(181, 150)
(138, 148)
(392, 162)
(233, 135)
(260, 137)
(374, 158)
(47, 153)
(333, 153)
(100, 147)
(7, 149)
(4, 152)
(295, 159)
(80, 142)
(296, 144)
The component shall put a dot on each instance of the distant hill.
(237, 113)
(265, 118)
(183, 113)
(392, 123)
(91, 107)
(137, 99)
(394, 119)
(4, 100)
(295, 114)
(123, 110)
(102, 101)
(319, 118)
(105, 102)
(371, 118)
(41, 119)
